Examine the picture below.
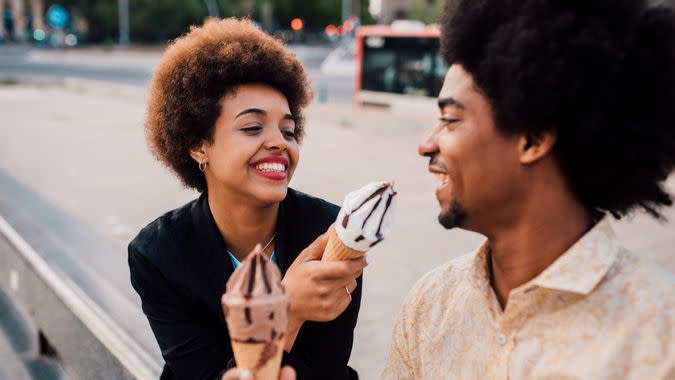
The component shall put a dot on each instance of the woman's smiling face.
(254, 150)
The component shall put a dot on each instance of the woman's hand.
(318, 291)
(286, 373)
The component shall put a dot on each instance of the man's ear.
(534, 147)
(198, 153)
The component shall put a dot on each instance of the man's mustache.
(434, 161)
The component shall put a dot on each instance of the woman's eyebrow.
(258, 111)
(251, 110)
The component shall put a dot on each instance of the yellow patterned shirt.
(598, 312)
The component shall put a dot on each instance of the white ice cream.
(366, 216)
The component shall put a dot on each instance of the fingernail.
(365, 258)
(245, 374)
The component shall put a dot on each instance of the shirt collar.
(579, 270)
(585, 264)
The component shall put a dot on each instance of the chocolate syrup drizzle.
(247, 314)
(263, 272)
(251, 285)
(379, 193)
(251, 280)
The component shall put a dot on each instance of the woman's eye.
(252, 129)
(290, 134)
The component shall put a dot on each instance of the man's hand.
(286, 373)
(318, 291)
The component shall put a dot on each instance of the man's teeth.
(441, 177)
(271, 167)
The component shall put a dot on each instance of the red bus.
(398, 65)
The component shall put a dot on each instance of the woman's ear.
(198, 153)
(534, 147)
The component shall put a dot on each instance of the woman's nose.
(276, 141)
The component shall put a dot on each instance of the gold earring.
(202, 166)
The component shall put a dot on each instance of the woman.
(225, 115)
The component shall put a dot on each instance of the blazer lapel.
(213, 261)
(283, 241)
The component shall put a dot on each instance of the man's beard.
(454, 217)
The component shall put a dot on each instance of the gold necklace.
(269, 242)
(264, 248)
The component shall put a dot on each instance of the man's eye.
(445, 121)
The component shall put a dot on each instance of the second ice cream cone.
(336, 250)
(255, 306)
(263, 359)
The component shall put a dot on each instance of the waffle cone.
(263, 359)
(336, 250)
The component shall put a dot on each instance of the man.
(554, 116)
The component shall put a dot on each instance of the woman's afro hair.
(197, 71)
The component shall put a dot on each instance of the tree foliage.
(425, 10)
(161, 20)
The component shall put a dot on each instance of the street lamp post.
(346, 9)
(123, 10)
(212, 6)
(19, 20)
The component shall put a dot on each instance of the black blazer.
(179, 266)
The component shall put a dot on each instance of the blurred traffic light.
(348, 25)
(331, 30)
(296, 24)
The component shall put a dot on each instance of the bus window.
(402, 65)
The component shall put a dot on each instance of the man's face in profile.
(476, 165)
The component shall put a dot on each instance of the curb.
(77, 85)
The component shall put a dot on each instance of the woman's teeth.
(271, 167)
(441, 177)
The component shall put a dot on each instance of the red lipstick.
(271, 167)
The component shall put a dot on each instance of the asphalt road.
(135, 67)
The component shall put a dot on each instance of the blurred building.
(20, 10)
(386, 11)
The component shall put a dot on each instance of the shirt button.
(501, 338)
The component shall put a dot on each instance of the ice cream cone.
(336, 250)
(255, 306)
(263, 359)
(364, 221)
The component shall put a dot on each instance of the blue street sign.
(57, 16)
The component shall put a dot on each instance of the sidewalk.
(84, 150)
(140, 56)
(99, 57)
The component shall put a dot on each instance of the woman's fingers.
(335, 270)
(344, 299)
(314, 251)
(320, 291)
(238, 374)
(348, 282)
(287, 373)
(337, 301)
(352, 286)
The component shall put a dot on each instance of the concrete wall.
(88, 344)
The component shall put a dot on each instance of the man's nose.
(429, 146)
